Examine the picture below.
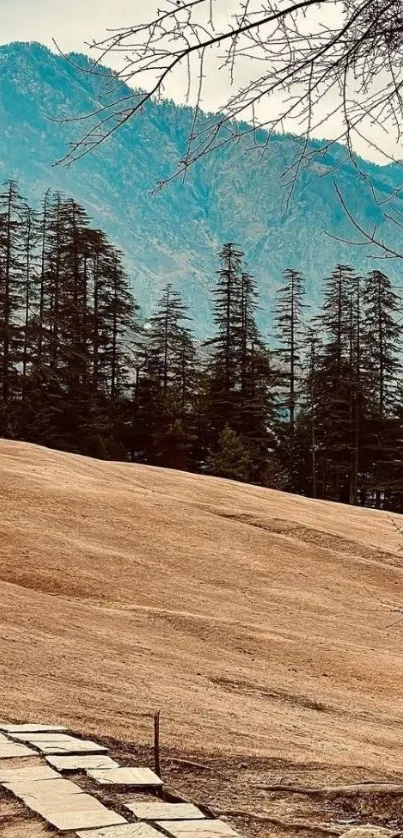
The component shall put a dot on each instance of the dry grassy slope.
(249, 616)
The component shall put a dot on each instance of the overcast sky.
(73, 22)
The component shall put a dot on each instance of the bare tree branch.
(306, 63)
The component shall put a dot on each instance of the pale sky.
(73, 22)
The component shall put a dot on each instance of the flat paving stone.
(86, 818)
(46, 789)
(126, 776)
(16, 751)
(198, 829)
(31, 728)
(28, 774)
(81, 763)
(8, 749)
(128, 830)
(61, 803)
(159, 811)
(59, 743)
(71, 747)
(82, 802)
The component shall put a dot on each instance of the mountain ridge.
(175, 234)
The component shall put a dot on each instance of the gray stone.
(8, 749)
(87, 814)
(29, 774)
(81, 763)
(59, 743)
(126, 777)
(159, 811)
(60, 802)
(198, 829)
(72, 746)
(128, 830)
(43, 789)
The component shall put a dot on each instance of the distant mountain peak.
(175, 234)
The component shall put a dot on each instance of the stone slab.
(46, 789)
(81, 763)
(92, 814)
(199, 829)
(9, 750)
(59, 743)
(159, 811)
(28, 775)
(140, 777)
(31, 728)
(68, 803)
(12, 753)
(79, 746)
(67, 807)
(128, 830)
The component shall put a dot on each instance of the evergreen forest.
(314, 408)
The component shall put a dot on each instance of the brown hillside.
(252, 618)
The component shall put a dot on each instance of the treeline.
(319, 413)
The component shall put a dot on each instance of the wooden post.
(157, 744)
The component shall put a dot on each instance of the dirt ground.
(262, 625)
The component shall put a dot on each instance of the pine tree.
(336, 387)
(290, 332)
(238, 376)
(381, 347)
(164, 394)
(306, 435)
(290, 336)
(13, 282)
(231, 458)
(77, 372)
(226, 346)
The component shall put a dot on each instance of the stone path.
(158, 810)
(27, 775)
(138, 777)
(13, 749)
(63, 804)
(129, 830)
(60, 802)
(59, 743)
(81, 763)
(198, 829)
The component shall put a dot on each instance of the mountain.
(176, 233)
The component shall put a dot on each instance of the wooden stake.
(157, 744)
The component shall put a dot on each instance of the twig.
(191, 764)
(292, 825)
(335, 791)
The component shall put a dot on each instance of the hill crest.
(175, 235)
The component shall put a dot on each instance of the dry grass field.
(259, 623)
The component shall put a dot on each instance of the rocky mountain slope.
(176, 233)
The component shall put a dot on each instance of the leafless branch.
(303, 64)
(303, 57)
